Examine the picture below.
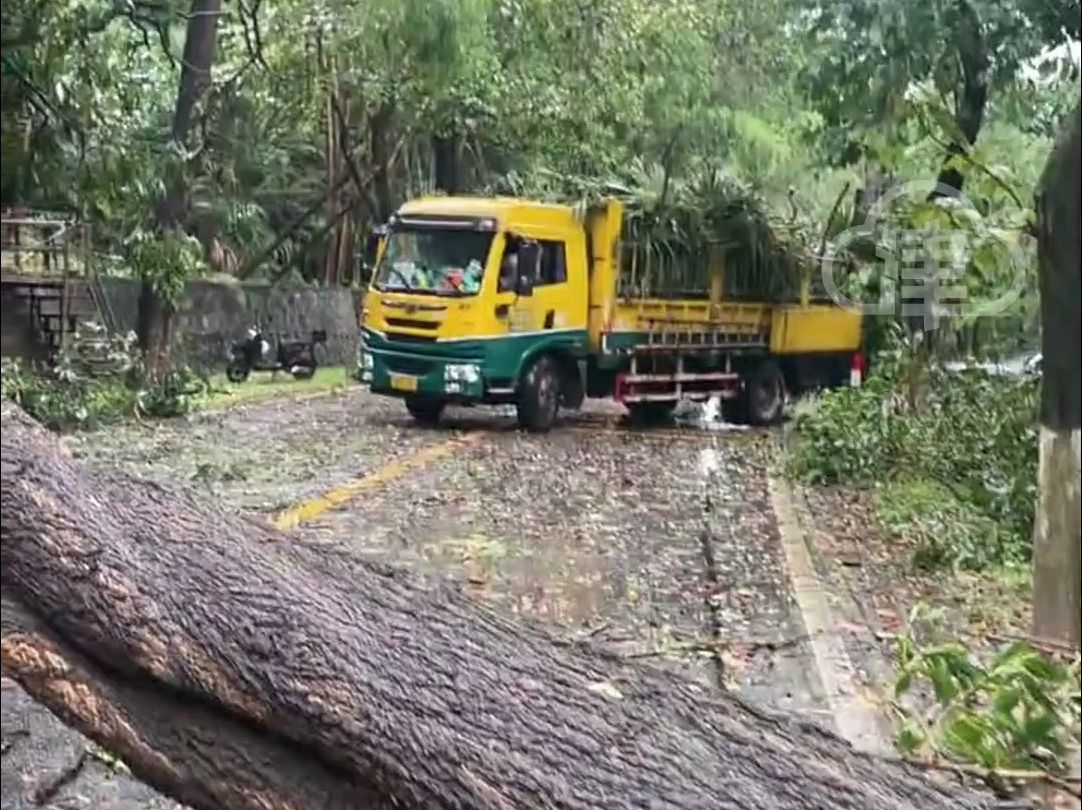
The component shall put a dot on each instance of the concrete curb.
(856, 713)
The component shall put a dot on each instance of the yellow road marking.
(307, 510)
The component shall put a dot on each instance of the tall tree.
(200, 45)
(874, 56)
(1057, 536)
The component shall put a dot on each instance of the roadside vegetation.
(100, 379)
(948, 462)
(950, 455)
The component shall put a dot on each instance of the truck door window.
(553, 268)
(508, 267)
(553, 263)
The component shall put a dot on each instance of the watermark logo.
(924, 237)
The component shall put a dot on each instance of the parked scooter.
(298, 357)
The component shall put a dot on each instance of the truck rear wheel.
(425, 410)
(539, 396)
(764, 394)
(650, 413)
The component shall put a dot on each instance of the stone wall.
(215, 312)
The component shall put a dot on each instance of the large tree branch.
(252, 264)
(234, 667)
(344, 149)
(206, 759)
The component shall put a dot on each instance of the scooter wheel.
(237, 372)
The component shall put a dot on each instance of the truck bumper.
(394, 371)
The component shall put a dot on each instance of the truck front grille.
(410, 323)
(404, 338)
(417, 366)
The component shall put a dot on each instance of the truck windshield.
(436, 261)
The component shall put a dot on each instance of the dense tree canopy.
(317, 118)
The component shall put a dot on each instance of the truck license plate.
(403, 382)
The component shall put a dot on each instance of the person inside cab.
(509, 268)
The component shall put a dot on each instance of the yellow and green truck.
(509, 301)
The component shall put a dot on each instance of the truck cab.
(479, 301)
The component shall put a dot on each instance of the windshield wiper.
(401, 275)
(405, 279)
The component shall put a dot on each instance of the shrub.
(1015, 708)
(99, 379)
(944, 529)
(964, 444)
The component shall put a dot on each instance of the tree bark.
(200, 44)
(1057, 532)
(971, 97)
(447, 163)
(383, 151)
(235, 668)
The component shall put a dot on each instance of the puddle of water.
(709, 463)
(706, 416)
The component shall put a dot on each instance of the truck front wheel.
(424, 410)
(539, 396)
(764, 394)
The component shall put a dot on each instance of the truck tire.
(650, 413)
(425, 410)
(539, 396)
(764, 394)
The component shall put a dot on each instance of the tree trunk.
(234, 667)
(1057, 534)
(971, 98)
(200, 44)
(382, 148)
(447, 162)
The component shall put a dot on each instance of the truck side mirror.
(529, 259)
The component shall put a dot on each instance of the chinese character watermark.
(921, 269)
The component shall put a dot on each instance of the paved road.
(657, 543)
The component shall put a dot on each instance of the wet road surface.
(657, 543)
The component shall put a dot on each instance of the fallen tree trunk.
(233, 668)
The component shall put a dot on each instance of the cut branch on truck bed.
(233, 667)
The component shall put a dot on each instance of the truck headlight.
(461, 372)
(364, 363)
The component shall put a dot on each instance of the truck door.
(553, 305)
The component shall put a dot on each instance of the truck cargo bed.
(659, 324)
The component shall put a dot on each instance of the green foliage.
(99, 379)
(523, 95)
(676, 226)
(955, 453)
(67, 404)
(944, 529)
(1017, 709)
(519, 89)
(845, 435)
(177, 392)
(976, 251)
(871, 55)
(167, 261)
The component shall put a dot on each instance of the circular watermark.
(925, 238)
